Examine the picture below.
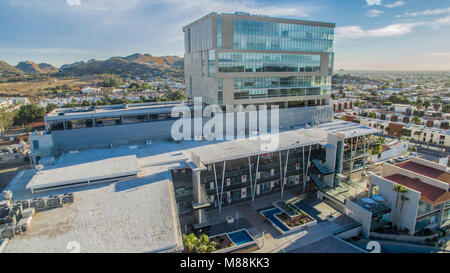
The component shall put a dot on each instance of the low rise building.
(426, 201)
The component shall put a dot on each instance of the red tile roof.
(425, 170)
(430, 194)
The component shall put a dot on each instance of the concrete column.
(196, 194)
(441, 215)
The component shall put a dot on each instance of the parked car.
(400, 159)
(390, 161)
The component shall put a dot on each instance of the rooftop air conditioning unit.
(148, 142)
(113, 146)
(39, 168)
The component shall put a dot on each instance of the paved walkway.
(273, 240)
(294, 242)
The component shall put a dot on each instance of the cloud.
(250, 6)
(425, 12)
(373, 2)
(395, 4)
(73, 2)
(440, 22)
(374, 12)
(355, 32)
(438, 54)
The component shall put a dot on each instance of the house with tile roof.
(425, 201)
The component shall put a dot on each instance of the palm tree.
(404, 199)
(416, 120)
(419, 103)
(398, 188)
(200, 244)
(436, 106)
(190, 241)
(204, 245)
(418, 133)
(426, 104)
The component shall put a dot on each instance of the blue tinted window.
(267, 62)
(261, 35)
(268, 87)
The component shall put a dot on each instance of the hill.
(136, 64)
(7, 70)
(34, 68)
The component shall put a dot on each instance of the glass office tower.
(248, 59)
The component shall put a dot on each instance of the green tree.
(415, 120)
(6, 118)
(436, 106)
(376, 150)
(403, 199)
(50, 107)
(418, 133)
(201, 244)
(176, 95)
(204, 245)
(189, 241)
(446, 108)
(418, 103)
(372, 115)
(399, 189)
(112, 82)
(29, 113)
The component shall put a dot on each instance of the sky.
(370, 34)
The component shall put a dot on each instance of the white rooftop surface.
(287, 139)
(110, 110)
(101, 169)
(137, 215)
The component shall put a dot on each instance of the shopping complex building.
(308, 159)
(137, 189)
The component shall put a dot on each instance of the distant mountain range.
(7, 70)
(136, 64)
(34, 68)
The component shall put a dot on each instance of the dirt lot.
(7, 173)
(35, 89)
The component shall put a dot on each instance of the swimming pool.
(269, 214)
(240, 237)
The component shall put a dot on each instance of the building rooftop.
(430, 194)
(431, 172)
(110, 110)
(304, 136)
(269, 18)
(89, 172)
(137, 215)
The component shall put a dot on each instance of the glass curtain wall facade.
(242, 57)
(261, 35)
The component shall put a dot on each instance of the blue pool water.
(269, 214)
(240, 237)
